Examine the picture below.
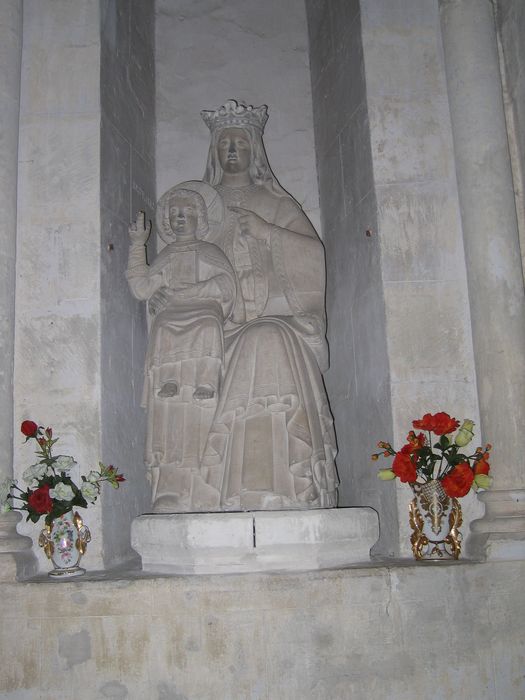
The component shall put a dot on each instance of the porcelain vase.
(65, 542)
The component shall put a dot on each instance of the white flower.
(62, 492)
(36, 471)
(5, 489)
(89, 491)
(93, 477)
(64, 463)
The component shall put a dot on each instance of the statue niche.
(238, 417)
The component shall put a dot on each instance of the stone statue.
(270, 442)
(191, 289)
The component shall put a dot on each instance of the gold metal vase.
(434, 520)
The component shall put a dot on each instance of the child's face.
(183, 216)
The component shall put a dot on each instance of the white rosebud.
(93, 477)
(36, 471)
(89, 491)
(64, 463)
(62, 492)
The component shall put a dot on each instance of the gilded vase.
(434, 520)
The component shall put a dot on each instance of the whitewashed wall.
(403, 340)
(358, 381)
(209, 52)
(127, 163)
(57, 333)
(86, 159)
(433, 632)
(511, 25)
(419, 228)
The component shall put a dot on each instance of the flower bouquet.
(53, 494)
(439, 473)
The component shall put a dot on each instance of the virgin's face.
(234, 150)
(183, 215)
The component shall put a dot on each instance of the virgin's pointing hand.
(252, 224)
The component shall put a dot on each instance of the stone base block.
(17, 561)
(500, 534)
(289, 540)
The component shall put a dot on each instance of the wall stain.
(114, 689)
(75, 648)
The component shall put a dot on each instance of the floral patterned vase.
(434, 520)
(64, 542)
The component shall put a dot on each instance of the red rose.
(444, 424)
(404, 468)
(40, 500)
(457, 483)
(29, 428)
(426, 423)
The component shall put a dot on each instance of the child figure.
(191, 290)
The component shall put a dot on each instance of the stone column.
(14, 557)
(495, 276)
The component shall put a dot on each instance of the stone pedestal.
(289, 540)
(17, 560)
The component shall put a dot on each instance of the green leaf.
(444, 442)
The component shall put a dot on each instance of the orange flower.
(404, 468)
(426, 423)
(457, 483)
(444, 424)
(439, 423)
(482, 466)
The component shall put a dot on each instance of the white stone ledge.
(291, 540)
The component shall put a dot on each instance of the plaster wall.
(57, 332)
(127, 163)
(511, 26)
(10, 57)
(422, 256)
(208, 52)
(438, 631)
(358, 381)
(86, 167)
(409, 324)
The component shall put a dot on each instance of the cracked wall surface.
(387, 633)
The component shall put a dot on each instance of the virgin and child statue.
(237, 412)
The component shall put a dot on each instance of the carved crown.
(234, 113)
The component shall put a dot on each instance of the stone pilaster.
(14, 557)
(495, 276)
